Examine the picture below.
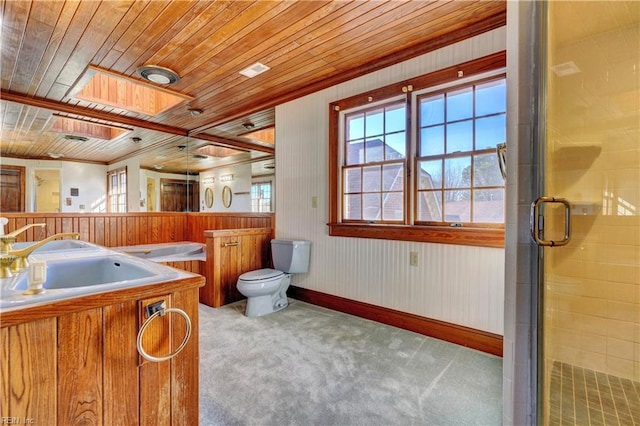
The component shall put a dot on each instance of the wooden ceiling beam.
(230, 143)
(91, 113)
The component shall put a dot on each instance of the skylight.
(108, 88)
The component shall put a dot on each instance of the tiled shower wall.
(593, 144)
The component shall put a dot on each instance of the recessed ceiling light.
(254, 70)
(55, 155)
(157, 74)
(76, 138)
(195, 112)
(566, 68)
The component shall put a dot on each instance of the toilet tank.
(291, 256)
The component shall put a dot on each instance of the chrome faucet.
(7, 240)
(12, 261)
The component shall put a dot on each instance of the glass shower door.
(590, 156)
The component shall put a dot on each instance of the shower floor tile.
(584, 397)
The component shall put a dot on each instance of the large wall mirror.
(66, 163)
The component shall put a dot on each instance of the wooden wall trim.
(124, 229)
(465, 336)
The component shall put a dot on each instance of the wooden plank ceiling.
(50, 47)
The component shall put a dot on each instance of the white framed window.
(261, 197)
(117, 190)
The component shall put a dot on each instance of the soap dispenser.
(3, 222)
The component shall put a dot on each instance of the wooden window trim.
(473, 236)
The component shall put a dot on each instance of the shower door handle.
(536, 222)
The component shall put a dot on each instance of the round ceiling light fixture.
(157, 74)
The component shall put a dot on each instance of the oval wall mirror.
(226, 196)
(208, 197)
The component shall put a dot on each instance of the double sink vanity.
(72, 327)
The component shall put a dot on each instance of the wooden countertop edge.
(90, 301)
(236, 232)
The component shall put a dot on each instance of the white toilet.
(266, 289)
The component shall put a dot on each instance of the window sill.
(481, 237)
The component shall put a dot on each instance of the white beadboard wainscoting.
(459, 284)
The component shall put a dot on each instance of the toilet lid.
(261, 274)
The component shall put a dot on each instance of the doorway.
(179, 195)
(47, 190)
(12, 184)
(151, 194)
(589, 354)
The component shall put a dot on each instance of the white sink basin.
(56, 245)
(88, 272)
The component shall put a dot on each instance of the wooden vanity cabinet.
(230, 253)
(76, 362)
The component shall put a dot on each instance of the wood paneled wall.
(113, 229)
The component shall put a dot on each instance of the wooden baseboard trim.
(465, 336)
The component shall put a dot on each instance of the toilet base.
(265, 304)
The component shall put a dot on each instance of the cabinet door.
(230, 269)
(28, 373)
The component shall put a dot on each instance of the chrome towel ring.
(159, 313)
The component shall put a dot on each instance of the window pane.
(460, 104)
(393, 206)
(430, 174)
(432, 110)
(486, 171)
(355, 127)
(457, 172)
(373, 150)
(371, 179)
(488, 205)
(460, 137)
(373, 123)
(491, 97)
(432, 141)
(352, 207)
(429, 206)
(352, 180)
(457, 206)
(395, 118)
(490, 131)
(371, 206)
(355, 152)
(393, 177)
(395, 146)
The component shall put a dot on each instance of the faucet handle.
(3, 222)
(6, 242)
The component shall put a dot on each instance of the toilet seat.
(260, 275)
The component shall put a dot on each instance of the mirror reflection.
(147, 170)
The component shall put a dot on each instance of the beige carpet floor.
(307, 365)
